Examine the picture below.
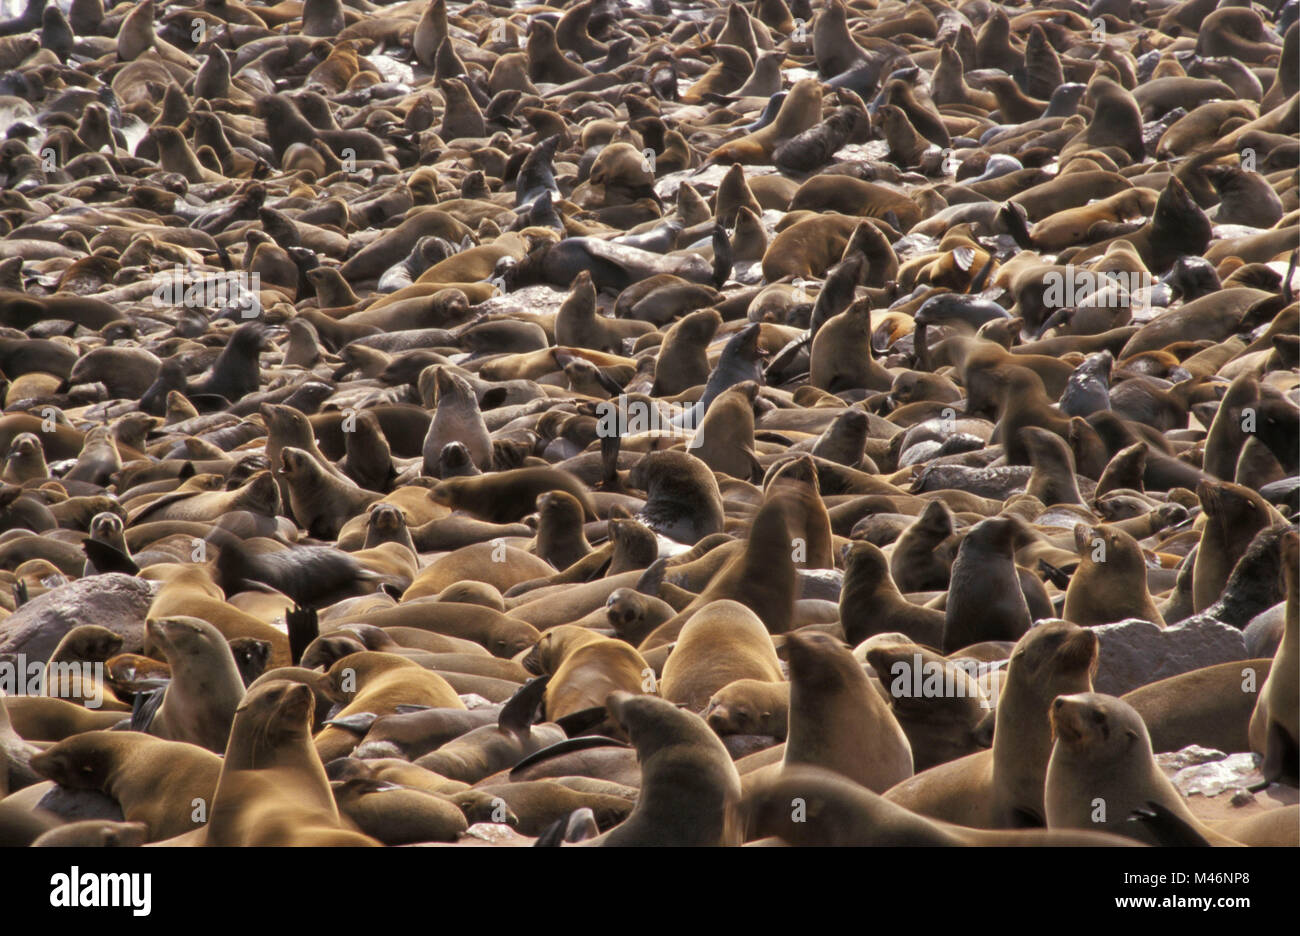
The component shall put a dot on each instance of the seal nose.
(1058, 703)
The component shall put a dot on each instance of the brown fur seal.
(1102, 770)
(1273, 724)
(984, 598)
(750, 707)
(456, 419)
(837, 718)
(505, 496)
(273, 789)
(1234, 514)
(722, 642)
(871, 603)
(1003, 788)
(155, 781)
(585, 668)
(205, 688)
(938, 703)
(689, 785)
(1110, 583)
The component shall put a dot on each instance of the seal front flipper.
(608, 383)
(652, 578)
(304, 627)
(208, 402)
(1058, 577)
(793, 357)
(107, 558)
(577, 826)
(982, 277)
(144, 707)
(553, 835)
(358, 722)
(1012, 217)
(575, 723)
(1168, 829)
(722, 257)
(518, 714)
(567, 746)
(609, 447)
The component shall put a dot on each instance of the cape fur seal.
(359, 366)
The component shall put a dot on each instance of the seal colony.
(613, 423)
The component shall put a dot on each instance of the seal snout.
(1076, 717)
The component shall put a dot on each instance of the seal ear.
(983, 732)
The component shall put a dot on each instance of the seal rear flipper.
(304, 627)
(1168, 828)
(517, 715)
(567, 746)
(107, 558)
(144, 707)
